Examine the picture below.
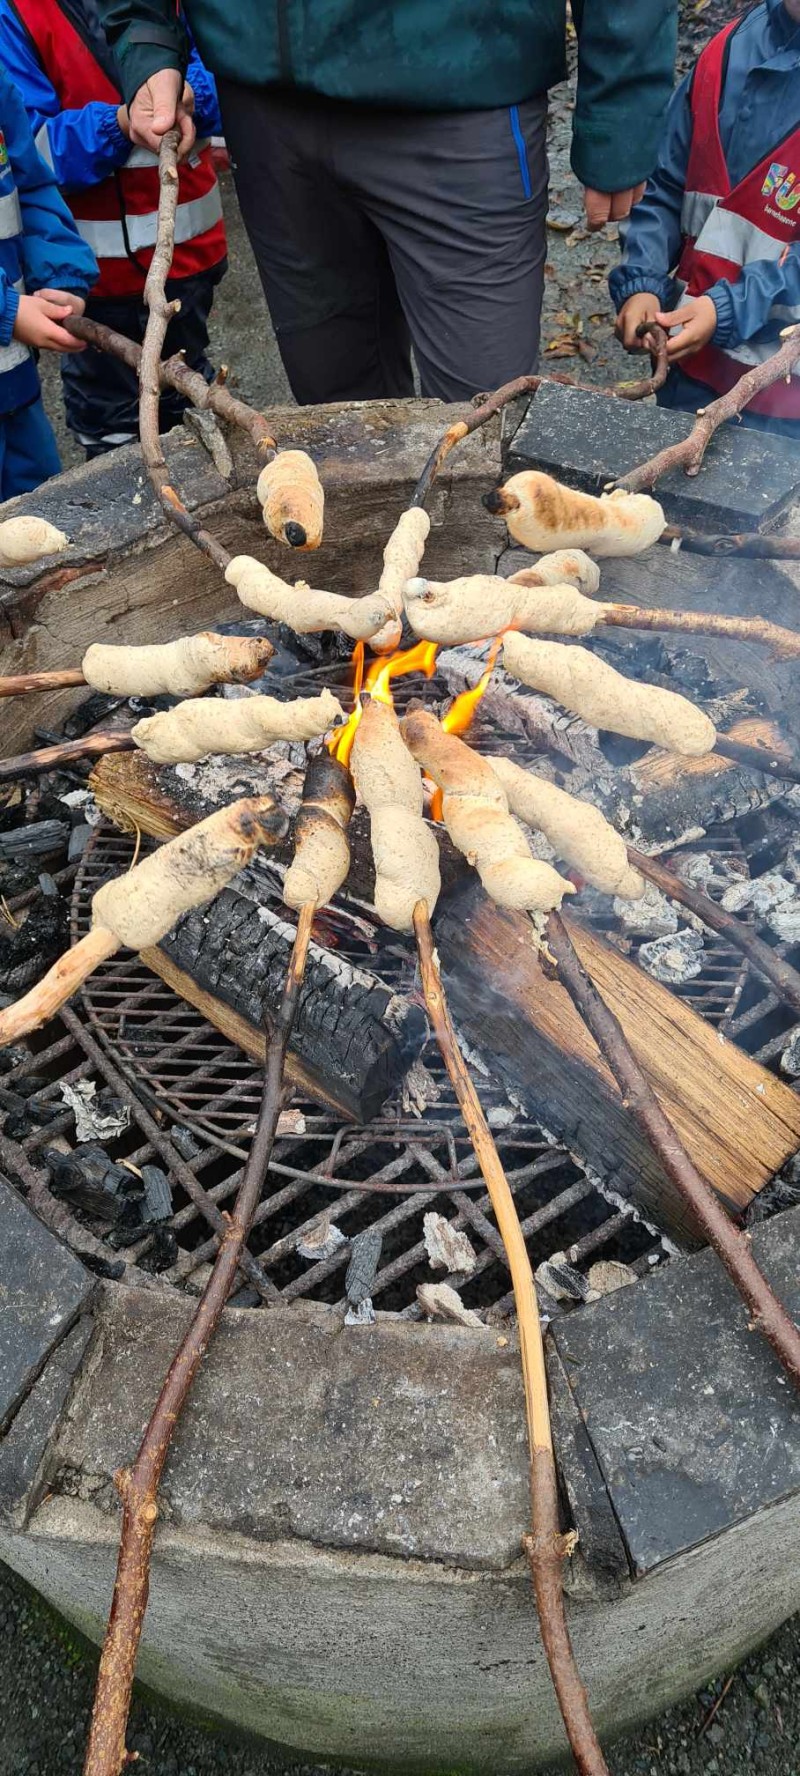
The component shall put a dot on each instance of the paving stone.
(43, 1289)
(585, 439)
(24, 1447)
(693, 1421)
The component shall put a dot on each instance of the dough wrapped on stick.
(577, 830)
(26, 539)
(606, 698)
(181, 668)
(306, 611)
(479, 605)
(404, 848)
(321, 845)
(401, 559)
(205, 725)
(542, 514)
(138, 909)
(476, 813)
(292, 499)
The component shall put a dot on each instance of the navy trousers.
(28, 453)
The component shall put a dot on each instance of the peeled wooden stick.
(476, 814)
(545, 1547)
(688, 454)
(305, 611)
(543, 514)
(201, 726)
(405, 849)
(606, 698)
(732, 1247)
(136, 910)
(106, 1754)
(577, 830)
(292, 501)
(179, 668)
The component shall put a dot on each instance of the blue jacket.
(40, 247)
(84, 146)
(760, 105)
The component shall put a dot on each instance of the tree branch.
(785, 643)
(747, 544)
(731, 1246)
(106, 1754)
(545, 1546)
(50, 758)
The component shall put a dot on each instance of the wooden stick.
(50, 758)
(688, 454)
(159, 316)
(780, 974)
(545, 1547)
(784, 642)
(731, 1246)
(748, 544)
(106, 1754)
(528, 385)
(18, 684)
(61, 981)
(776, 764)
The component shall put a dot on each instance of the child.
(713, 248)
(41, 252)
(57, 52)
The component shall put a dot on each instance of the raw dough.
(305, 611)
(27, 539)
(290, 493)
(404, 848)
(176, 668)
(576, 829)
(205, 725)
(542, 514)
(606, 699)
(469, 609)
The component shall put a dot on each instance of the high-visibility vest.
(118, 217)
(726, 227)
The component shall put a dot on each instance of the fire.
(377, 683)
(461, 713)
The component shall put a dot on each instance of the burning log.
(606, 698)
(179, 668)
(138, 909)
(475, 812)
(309, 612)
(404, 848)
(731, 1246)
(542, 514)
(688, 454)
(545, 1547)
(292, 501)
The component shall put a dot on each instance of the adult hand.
(157, 107)
(38, 317)
(697, 320)
(644, 306)
(609, 206)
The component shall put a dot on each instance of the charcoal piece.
(112, 1269)
(782, 1193)
(37, 940)
(48, 886)
(91, 713)
(91, 1181)
(364, 1256)
(561, 1280)
(182, 1138)
(675, 958)
(157, 1194)
(41, 838)
(78, 841)
(14, 1056)
(790, 1059)
(128, 1224)
(163, 1251)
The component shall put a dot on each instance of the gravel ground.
(45, 1677)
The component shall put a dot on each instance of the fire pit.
(373, 1477)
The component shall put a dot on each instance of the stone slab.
(43, 1289)
(24, 1448)
(584, 438)
(693, 1422)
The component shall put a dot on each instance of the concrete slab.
(692, 1420)
(24, 1448)
(42, 1291)
(747, 480)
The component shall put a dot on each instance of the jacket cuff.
(624, 282)
(144, 50)
(9, 315)
(115, 143)
(726, 331)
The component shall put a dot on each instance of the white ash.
(501, 1116)
(320, 1241)
(708, 871)
(673, 959)
(762, 895)
(561, 1281)
(363, 1315)
(84, 800)
(608, 1275)
(790, 1059)
(439, 1302)
(420, 1090)
(791, 865)
(447, 1248)
(652, 916)
(785, 922)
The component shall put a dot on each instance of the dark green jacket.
(433, 55)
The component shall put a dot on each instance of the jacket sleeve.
(206, 104)
(53, 254)
(743, 308)
(82, 147)
(653, 237)
(146, 36)
(9, 303)
(626, 62)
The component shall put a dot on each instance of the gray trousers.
(377, 230)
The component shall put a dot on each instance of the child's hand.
(38, 317)
(644, 306)
(697, 320)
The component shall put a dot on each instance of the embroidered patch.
(783, 186)
(3, 152)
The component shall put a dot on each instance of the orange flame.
(421, 658)
(461, 713)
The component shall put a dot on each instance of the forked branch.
(545, 1547)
